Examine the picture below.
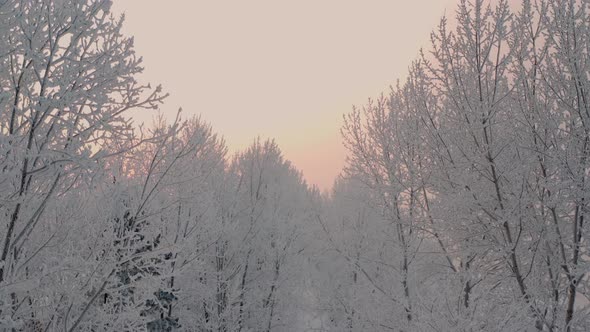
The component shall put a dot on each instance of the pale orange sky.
(286, 70)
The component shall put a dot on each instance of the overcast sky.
(286, 70)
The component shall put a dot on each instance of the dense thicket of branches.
(462, 206)
(476, 168)
(110, 227)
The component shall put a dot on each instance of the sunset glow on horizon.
(287, 70)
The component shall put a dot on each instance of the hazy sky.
(286, 70)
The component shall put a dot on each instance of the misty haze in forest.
(461, 205)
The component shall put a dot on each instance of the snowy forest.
(462, 205)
